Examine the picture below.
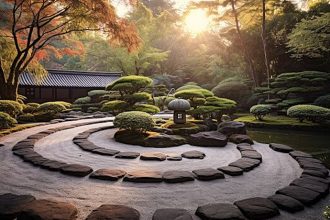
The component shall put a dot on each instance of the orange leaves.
(41, 55)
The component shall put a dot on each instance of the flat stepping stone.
(306, 165)
(23, 152)
(286, 203)
(208, 139)
(240, 138)
(208, 174)
(252, 155)
(295, 154)
(153, 156)
(314, 185)
(76, 170)
(48, 210)
(280, 147)
(144, 177)
(244, 147)
(172, 214)
(194, 154)
(221, 211)
(11, 204)
(308, 160)
(37, 160)
(174, 157)
(177, 176)
(257, 208)
(305, 196)
(318, 179)
(115, 212)
(52, 165)
(23, 145)
(316, 173)
(87, 146)
(108, 174)
(104, 151)
(127, 155)
(232, 171)
(232, 127)
(246, 164)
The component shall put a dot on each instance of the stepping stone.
(308, 160)
(144, 177)
(174, 157)
(240, 138)
(208, 174)
(115, 212)
(11, 205)
(23, 152)
(222, 211)
(177, 176)
(286, 203)
(319, 179)
(252, 155)
(127, 155)
(305, 196)
(306, 165)
(172, 214)
(232, 171)
(246, 164)
(295, 154)
(232, 127)
(53, 165)
(48, 210)
(153, 156)
(208, 139)
(108, 174)
(87, 146)
(194, 154)
(37, 136)
(76, 170)
(280, 147)
(104, 151)
(245, 147)
(38, 160)
(314, 185)
(257, 208)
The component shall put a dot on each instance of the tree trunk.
(8, 91)
(264, 41)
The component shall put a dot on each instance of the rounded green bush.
(45, 116)
(188, 87)
(309, 112)
(189, 94)
(222, 103)
(97, 93)
(10, 107)
(6, 121)
(67, 105)
(28, 117)
(134, 121)
(114, 107)
(259, 111)
(323, 101)
(138, 97)
(83, 100)
(151, 109)
(51, 107)
(133, 83)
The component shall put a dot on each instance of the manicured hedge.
(54, 107)
(309, 112)
(114, 107)
(134, 121)
(260, 111)
(151, 109)
(10, 107)
(6, 121)
(83, 100)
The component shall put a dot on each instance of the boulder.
(194, 154)
(232, 171)
(114, 212)
(286, 203)
(48, 210)
(257, 208)
(240, 138)
(144, 177)
(305, 196)
(280, 147)
(127, 155)
(208, 139)
(232, 127)
(208, 174)
(153, 156)
(172, 214)
(76, 170)
(177, 176)
(11, 205)
(108, 174)
(222, 211)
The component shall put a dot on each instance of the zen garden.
(164, 109)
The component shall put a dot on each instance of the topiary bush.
(30, 107)
(45, 116)
(323, 101)
(10, 107)
(6, 121)
(114, 107)
(53, 107)
(130, 84)
(28, 117)
(151, 109)
(134, 121)
(83, 100)
(309, 112)
(97, 93)
(260, 111)
(162, 101)
(67, 105)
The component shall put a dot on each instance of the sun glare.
(197, 21)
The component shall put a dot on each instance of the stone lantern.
(179, 106)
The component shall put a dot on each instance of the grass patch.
(18, 127)
(274, 120)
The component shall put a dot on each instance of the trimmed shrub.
(30, 107)
(10, 107)
(259, 111)
(131, 83)
(67, 105)
(137, 97)
(92, 109)
(28, 117)
(134, 121)
(323, 101)
(83, 100)
(162, 101)
(97, 93)
(189, 94)
(114, 107)
(309, 112)
(6, 121)
(188, 87)
(45, 116)
(151, 109)
(51, 107)
(222, 103)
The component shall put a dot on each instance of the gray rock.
(280, 147)
(127, 155)
(319, 179)
(295, 154)
(11, 205)
(52, 165)
(76, 170)
(172, 214)
(246, 164)
(219, 211)
(232, 171)
(108, 174)
(257, 208)
(144, 177)
(251, 154)
(174, 157)
(208, 174)
(240, 138)
(305, 196)
(286, 203)
(232, 127)
(208, 139)
(177, 176)
(316, 173)
(164, 140)
(114, 212)
(153, 156)
(314, 185)
(244, 147)
(194, 154)
(104, 151)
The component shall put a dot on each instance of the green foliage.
(326, 212)
(189, 94)
(10, 107)
(51, 107)
(134, 121)
(323, 101)
(114, 107)
(260, 111)
(309, 112)
(137, 97)
(188, 86)
(6, 121)
(203, 110)
(67, 105)
(97, 93)
(151, 109)
(222, 103)
(130, 84)
(30, 107)
(28, 117)
(162, 101)
(83, 100)
(45, 116)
